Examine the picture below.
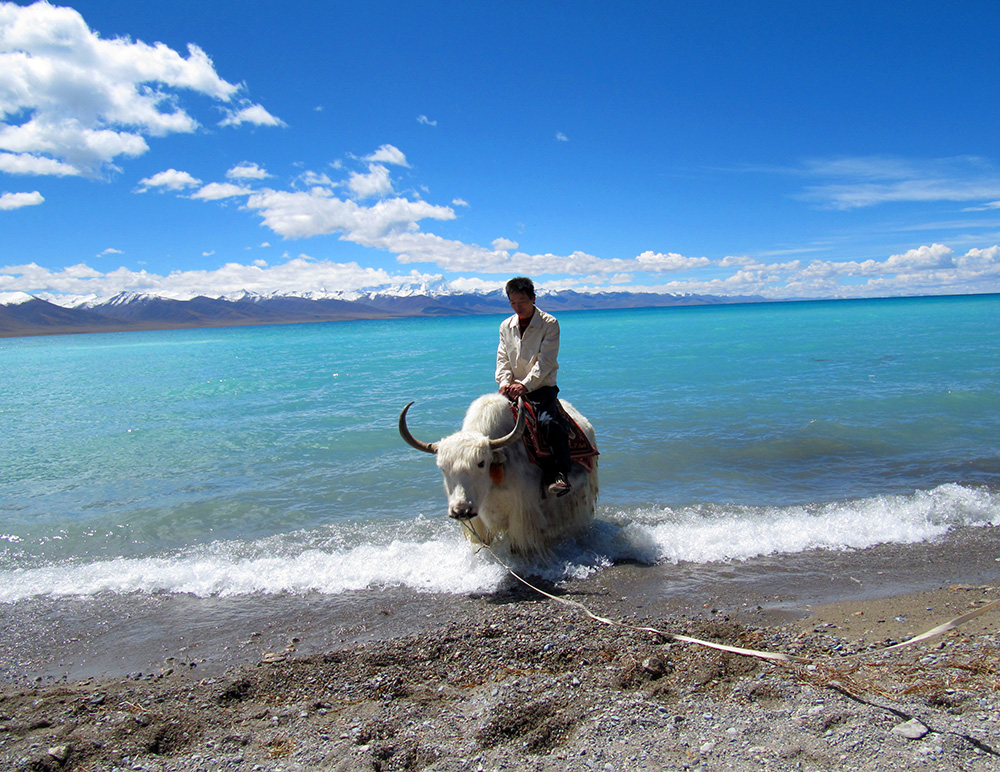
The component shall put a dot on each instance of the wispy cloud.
(852, 183)
(560, 137)
(426, 121)
(989, 205)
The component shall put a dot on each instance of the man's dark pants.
(551, 429)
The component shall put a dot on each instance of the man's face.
(523, 305)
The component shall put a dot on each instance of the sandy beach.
(513, 680)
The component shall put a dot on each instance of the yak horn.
(515, 435)
(426, 447)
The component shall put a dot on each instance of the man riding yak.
(508, 470)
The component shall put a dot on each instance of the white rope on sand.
(768, 655)
(956, 622)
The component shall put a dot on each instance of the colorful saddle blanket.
(580, 448)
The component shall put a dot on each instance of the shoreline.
(513, 680)
(50, 639)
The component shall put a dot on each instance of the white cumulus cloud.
(397, 224)
(504, 244)
(298, 214)
(656, 261)
(253, 114)
(300, 274)
(9, 201)
(170, 179)
(921, 258)
(978, 270)
(72, 102)
(247, 171)
(215, 191)
(388, 154)
(375, 183)
(26, 163)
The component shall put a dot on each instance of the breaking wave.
(432, 556)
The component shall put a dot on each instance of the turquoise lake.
(266, 459)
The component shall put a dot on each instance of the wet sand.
(395, 680)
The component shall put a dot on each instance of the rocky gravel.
(525, 684)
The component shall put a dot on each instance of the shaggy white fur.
(516, 507)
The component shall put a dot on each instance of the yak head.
(465, 459)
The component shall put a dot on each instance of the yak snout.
(463, 510)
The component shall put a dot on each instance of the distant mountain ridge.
(24, 314)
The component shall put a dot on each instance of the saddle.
(581, 450)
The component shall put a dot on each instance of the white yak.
(492, 484)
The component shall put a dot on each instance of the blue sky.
(783, 149)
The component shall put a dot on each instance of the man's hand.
(515, 390)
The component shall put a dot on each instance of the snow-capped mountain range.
(43, 314)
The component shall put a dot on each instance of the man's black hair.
(521, 284)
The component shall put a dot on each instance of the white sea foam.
(434, 566)
(430, 556)
(721, 533)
